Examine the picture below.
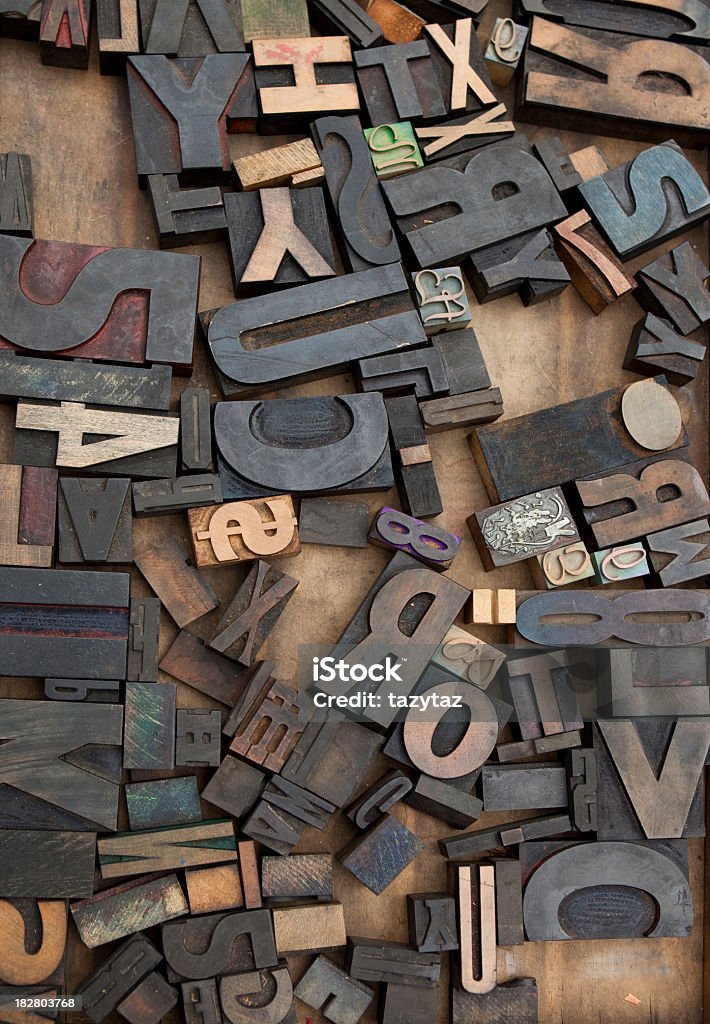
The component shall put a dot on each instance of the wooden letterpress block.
(513, 1001)
(93, 690)
(333, 523)
(347, 17)
(640, 184)
(183, 592)
(449, 210)
(235, 787)
(442, 299)
(16, 196)
(582, 781)
(594, 270)
(185, 216)
(399, 83)
(376, 960)
(118, 34)
(544, 694)
(300, 77)
(414, 470)
(34, 941)
(378, 856)
(681, 553)
(242, 531)
(54, 435)
(266, 992)
(432, 922)
(95, 523)
(256, 684)
(655, 347)
(460, 134)
(445, 802)
(64, 33)
(527, 265)
(426, 542)
(491, 608)
(28, 496)
(78, 307)
(398, 23)
(509, 903)
(524, 787)
(122, 910)
(162, 802)
(421, 371)
(624, 562)
(467, 657)
(658, 683)
(628, 503)
(234, 942)
(198, 738)
(211, 889)
(463, 847)
(274, 19)
(253, 613)
(149, 739)
(378, 798)
(191, 29)
(254, 347)
(207, 842)
(201, 1002)
(47, 865)
(163, 497)
(520, 529)
(577, 79)
(332, 758)
(190, 661)
(182, 109)
(249, 871)
(300, 876)
(504, 50)
(143, 637)
(393, 148)
(328, 988)
(477, 928)
(464, 410)
(309, 929)
(460, 68)
(279, 165)
(674, 286)
(354, 192)
(149, 1002)
(282, 814)
(19, 19)
(687, 23)
(396, 1006)
(582, 438)
(562, 566)
(107, 985)
(278, 237)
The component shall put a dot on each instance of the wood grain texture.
(309, 929)
(28, 497)
(192, 662)
(208, 842)
(184, 593)
(125, 909)
(162, 802)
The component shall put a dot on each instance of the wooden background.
(76, 127)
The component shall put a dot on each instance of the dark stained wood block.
(382, 853)
(325, 986)
(234, 942)
(432, 922)
(149, 1002)
(374, 960)
(515, 1001)
(198, 735)
(163, 802)
(113, 979)
(333, 523)
(149, 740)
(298, 877)
(191, 28)
(235, 787)
(253, 613)
(124, 909)
(143, 639)
(192, 662)
(118, 34)
(674, 286)
(95, 523)
(131, 853)
(16, 196)
(64, 33)
(47, 865)
(183, 591)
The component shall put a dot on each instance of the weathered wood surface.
(568, 354)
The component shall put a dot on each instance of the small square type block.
(394, 149)
(442, 300)
(504, 50)
(625, 562)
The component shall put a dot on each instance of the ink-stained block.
(398, 23)
(184, 593)
(582, 782)
(198, 737)
(28, 496)
(509, 903)
(562, 566)
(394, 149)
(655, 347)
(442, 299)
(469, 409)
(242, 531)
(381, 854)
(462, 134)
(593, 268)
(399, 83)
(426, 542)
(306, 929)
(333, 523)
(191, 28)
(514, 1001)
(125, 909)
(92, 302)
(16, 196)
(464, 847)
(524, 787)
(281, 816)
(375, 960)
(35, 937)
(150, 1002)
(346, 17)
(270, 728)
(235, 787)
(201, 1002)
(504, 50)
(467, 657)
(164, 497)
(47, 865)
(625, 562)
(300, 876)
(329, 988)
(378, 798)
(274, 19)
(332, 758)
(133, 444)
(183, 108)
(230, 943)
(93, 690)
(460, 68)
(132, 853)
(674, 286)
(149, 740)
(186, 216)
(685, 22)
(108, 983)
(192, 662)
(414, 468)
(195, 430)
(162, 802)
(432, 922)
(526, 264)
(212, 889)
(681, 553)
(94, 520)
(143, 639)
(64, 33)
(249, 871)
(253, 613)
(520, 529)
(118, 34)
(19, 19)
(269, 992)
(666, 683)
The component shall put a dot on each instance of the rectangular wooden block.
(184, 593)
(211, 889)
(108, 983)
(509, 903)
(163, 802)
(164, 497)
(235, 787)
(193, 663)
(198, 735)
(333, 523)
(242, 531)
(150, 1002)
(482, 841)
(674, 286)
(209, 842)
(378, 856)
(195, 430)
(526, 264)
(123, 910)
(16, 197)
(149, 740)
(47, 865)
(465, 410)
(64, 33)
(235, 941)
(186, 216)
(426, 542)
(517, 530)
(414, 469)
(93, 690)
(253, 612)
(94, 520)
(374, 960)
(278, 165)
(594, 270)
(274, 19)
(118, 34)
(681, 553)
(28, 496)
(192, 29)
(143, 640)
(298, 877)
(309, 929)
(514, 1001)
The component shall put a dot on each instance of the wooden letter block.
(16, 196)
(163, 497)
(255, 346)
(346, 17)
(460, 68)
(378, 798)
(666, 193)
(28, 496)
(118, 34)
(681, 553)
(131, 853)
(150, 1002)
(398, 23)
(143, 637)
(19, 19)
(195, 430)
(182, 110)
(300, 876)
(271, 727)
(656, 348)
(309, 929)
(593, 268)
(198, 737)
(182, 590)
(190, 661)
(509, 903)
(491, 608)
(443, 303)
(163, 802)
(465, 410)
(432, 922)
(414, 469)
(185, 216)
(253, 613)
(504, 50)
(93, 690)
(332, 758)
(149, 741)
(333, 523)
(115, 913)
(658, 683)
(463, 847)
(47, 865)
(240, 941)
(543, 691)
(582, 780)
(467, 657)
(201, 1002)
(235, 787)
(381, 854)
(453, 363)
(460, 134)
(258, 993)
(64, 33)
(426, 542)
(355, 194)
(513, 1001)
(122, 971)
(278, 237)
(95, 523)
(375, 960)
(399, 83)
(292, 164)
(212, 889)
(522, 787)
(684, 21)
(527, 265)
(477, 928)
(674, 286)
(328, 988)
(562, 566)
(243, 531)
(280, 817)
(274, 19)
(394, 149)
(578, 79)
(191, 28)
(249, 871)
(530, 525)
(134, 444)
(34, 941)
(625, 562)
